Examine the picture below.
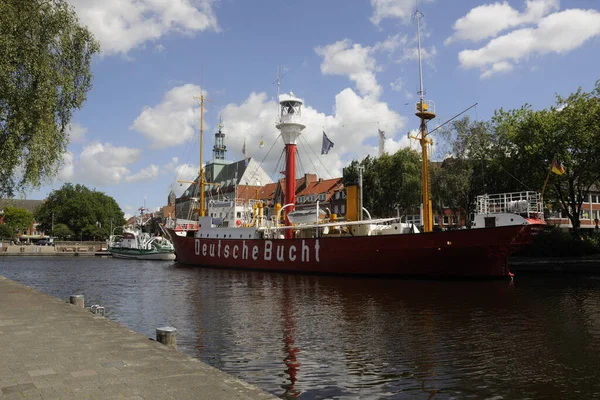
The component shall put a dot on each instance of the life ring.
(238, 222)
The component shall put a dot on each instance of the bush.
(554, 242)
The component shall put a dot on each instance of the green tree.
(93, 232)
(568, 132)
(78, 207)
(6, 232)
(391, 183)
(469, 171)
(45, 56)
(17, 219)
(62, 231)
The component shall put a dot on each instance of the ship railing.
(183, 225)
(522, 203)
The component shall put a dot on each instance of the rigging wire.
(318, 159)
(278, 166)
(299, 161)
(264, 158)
(309, 158)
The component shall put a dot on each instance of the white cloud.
(397, 85)
(412, 54)
(359, 64)
(558, 33)
(352, 60)
(401, 9)
(122, 25)
(488, 20)
(66, 171)
(187, 173)
(76, 133)
(391, 43)
(170, 166)
(145, 174)
(173, 121)
(181, 172)
(103, 164)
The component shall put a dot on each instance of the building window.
(554, 214)
(239, 214)
(454, 220)
(436, 219)
(322, 197)
(596, 214)
(344, 194)
(446, 220)
(585, 214)
(335, 209)
(343, 209)
(595, 198)
(337, 195)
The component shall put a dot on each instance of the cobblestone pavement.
(50, 349)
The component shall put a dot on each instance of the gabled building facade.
(224, 179)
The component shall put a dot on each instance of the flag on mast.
(557, 167)
(327, 144)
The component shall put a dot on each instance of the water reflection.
(335, 337)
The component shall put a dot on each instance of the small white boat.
(137, 245)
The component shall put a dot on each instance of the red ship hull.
(460, 253)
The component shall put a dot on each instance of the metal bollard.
(77, 299)
(167, 335)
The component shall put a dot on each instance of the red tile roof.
(322, 186)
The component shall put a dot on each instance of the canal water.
(322, 337)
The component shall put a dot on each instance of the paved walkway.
(50, 349)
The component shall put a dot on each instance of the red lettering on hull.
(461, 253)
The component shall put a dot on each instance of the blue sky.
(353, 63)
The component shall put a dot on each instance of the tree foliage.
(62, 231)
(6, 232)
(45, 57)
(391, 183)
(17, 219)
(529, 141)
(86, 212)
(462, 177)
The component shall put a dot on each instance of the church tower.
(219, 148)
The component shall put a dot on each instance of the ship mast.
(291, 127)
(425, 110)
(201, 179)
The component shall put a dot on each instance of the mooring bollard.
(77, 299)
(167, 335)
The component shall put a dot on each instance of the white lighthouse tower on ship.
(290, 125)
